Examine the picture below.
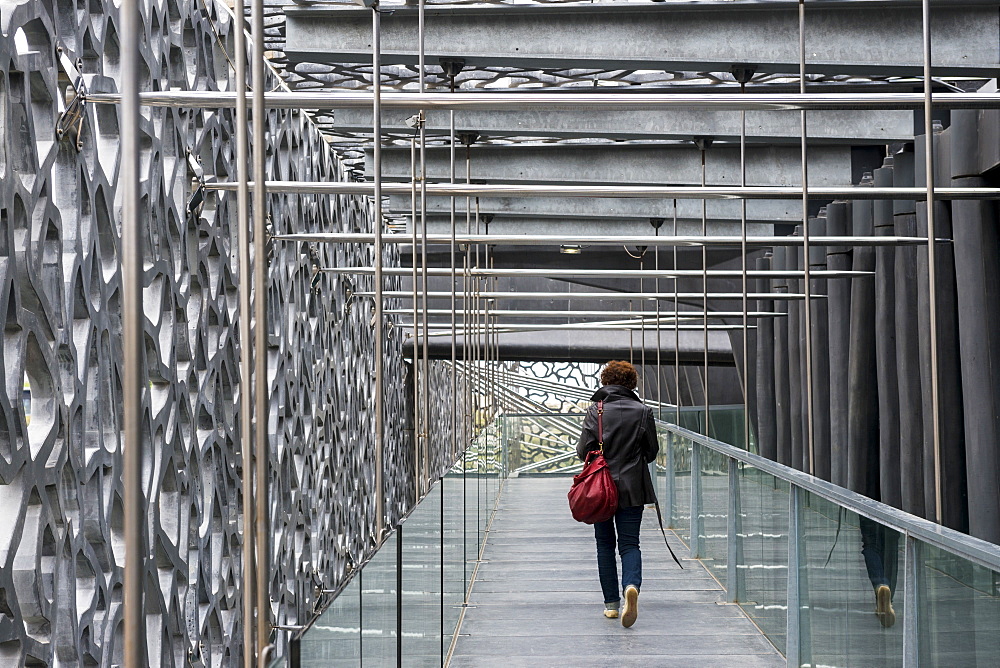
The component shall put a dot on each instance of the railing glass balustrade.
(800, 556)
(412, 588)
(803, 558)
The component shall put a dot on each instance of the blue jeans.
(627, 520)
(880, 548)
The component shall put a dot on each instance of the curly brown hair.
(619, 372)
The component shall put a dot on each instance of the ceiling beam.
(855, 127)
(586, 347)
(622, 164)
(880, 37)
(511, 213)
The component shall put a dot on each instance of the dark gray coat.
(629, 442)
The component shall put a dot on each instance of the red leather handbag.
(594, 496)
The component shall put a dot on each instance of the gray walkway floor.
(537, 600)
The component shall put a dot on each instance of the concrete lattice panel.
(61, 539)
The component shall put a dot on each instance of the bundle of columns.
(872, 364)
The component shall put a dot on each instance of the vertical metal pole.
(696, 523)
(642, 334)
(805, 246)
(792, 639)
(423, 463)
(734, 538)
(491, 351)
(671, 462)
(441, 559)
(932, 258)
(260, 267)
(483, 347)
(470, 414)
(399, 588)
(418, 426)
(132, 349)
(494, 361)
(377, 224)
(361, 616)
(485, 350)
(743, 266)
(911, 603)
(454, 279)
(677, 335)
(245, 332)
(704, 287)
(659, 381)
(631, 342)
(483, 440)
(656, 289)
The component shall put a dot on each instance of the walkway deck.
(537, 601)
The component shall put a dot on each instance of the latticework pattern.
(61, 542)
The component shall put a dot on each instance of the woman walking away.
(629, 436)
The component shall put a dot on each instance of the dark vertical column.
(803, 462)
(949, 366)
(838, 304)
(793, 258)
(977, 254)
(782, 415)
(766, 419)
(820, 353)
(924, 334)
(735, 429)
(952, 441)
(885, 345)
(862, 428)
(911, 414)
(752, 362)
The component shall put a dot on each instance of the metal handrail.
(979, 551)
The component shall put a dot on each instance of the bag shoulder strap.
(659, 518)
(600, 425)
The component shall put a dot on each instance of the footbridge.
(780, 568)
(303, 302)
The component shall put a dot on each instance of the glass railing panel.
(544, 444)
(455, 575)
(681, 519)
(492, 440)
(663, 482)
(959, 616)
(764, 550)
(844, 558)
(473, 511)
(714, 511)
(335, 638)
(379, 605)
(476, 491)
(726, 425)
(485, 482)
(422, 583)
(726, 422)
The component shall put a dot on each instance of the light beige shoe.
(883, 606)
(611, 614)
(631, 606)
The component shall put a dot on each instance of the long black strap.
(659, 518)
